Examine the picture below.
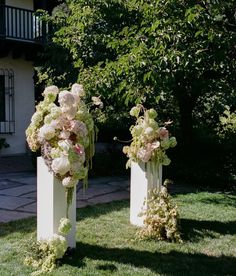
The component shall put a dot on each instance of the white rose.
(64, 144)
(61, 165)
(46, 132)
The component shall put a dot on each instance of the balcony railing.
(21, 24)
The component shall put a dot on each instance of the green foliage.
(134, 51)
(177, 56)
(161, 218)
(228, 123)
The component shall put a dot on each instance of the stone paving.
(18, 193)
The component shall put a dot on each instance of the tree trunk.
(185, 103)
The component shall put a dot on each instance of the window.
(2, 18)
(7, 116)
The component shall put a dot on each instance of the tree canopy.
(177, 53)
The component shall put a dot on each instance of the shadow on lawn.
(195, 230)
(172, 263)
(23, 226)
(227, 201)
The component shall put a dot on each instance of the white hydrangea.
(53, 90)
(46, 132)
(37, 118)
(64, 226)
(66, 98)
(58, 245)
(78, 91)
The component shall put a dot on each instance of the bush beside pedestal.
(51, 205)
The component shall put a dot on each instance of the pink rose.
(163, 133)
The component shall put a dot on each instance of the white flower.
(69, 182)
(51, 90)
(48, 119)
(69, 111)
(148, 131)
(64, 134)
(58, 245)
(61, 165)
(55, 112)
(46, 132)
(135, 111)
(55, 124)
(78, 91)
(97, 101)
(37, 118)
(64, 226)
(64, 144)
(137, 130)
(66, 98)
(155, 145)
(78, 127)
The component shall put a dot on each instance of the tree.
(176, 53)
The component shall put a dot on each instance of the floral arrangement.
(62, 128)
(64, 133)
(43, 255)
(161, 218)
(149, 140)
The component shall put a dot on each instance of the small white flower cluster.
(149, 140)
(46, 254)
(64, 226)
(64, 132)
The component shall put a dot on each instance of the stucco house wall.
(26, 4)
(24, 102)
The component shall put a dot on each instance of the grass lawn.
(106, 244)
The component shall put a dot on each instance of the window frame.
(7, 122)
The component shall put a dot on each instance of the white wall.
(26, 4)
(24, 103)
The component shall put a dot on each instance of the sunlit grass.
(106, 243)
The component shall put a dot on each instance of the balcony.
(21, 25)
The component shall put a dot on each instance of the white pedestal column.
(141, 182)
(51, 205)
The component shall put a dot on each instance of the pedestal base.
(142, 180)
(51, 205)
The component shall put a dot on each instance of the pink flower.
(79, 149)
(163, 133)
(78, 127)
(144, 154)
